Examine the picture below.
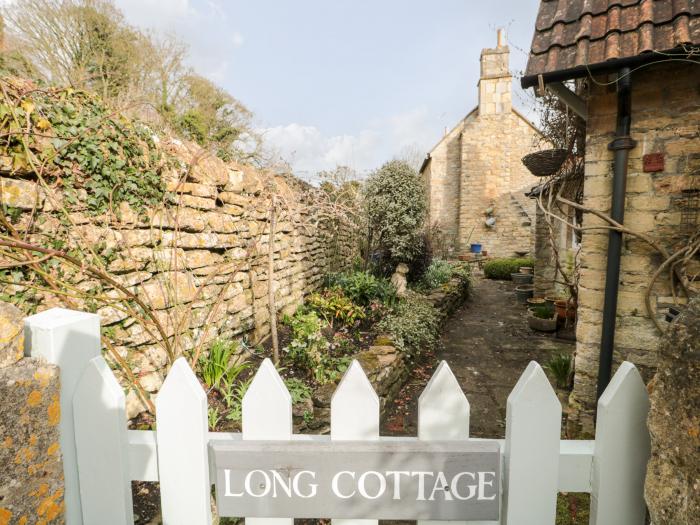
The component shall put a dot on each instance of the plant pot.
(565, 309)
(536, 301)
(524, 292)
(526, 269)
(484, 253)
(521, 278)
(542, 325)
(545, 163)
(551, 300)
(475, 247)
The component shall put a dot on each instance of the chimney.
(495, 82)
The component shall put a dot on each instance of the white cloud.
(309, 150)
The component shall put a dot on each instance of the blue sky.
(351, 82)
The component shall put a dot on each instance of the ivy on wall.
(73, 141)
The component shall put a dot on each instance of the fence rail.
(102, 457)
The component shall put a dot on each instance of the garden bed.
(354, 316)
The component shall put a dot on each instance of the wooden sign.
(403, 479)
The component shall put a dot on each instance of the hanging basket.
(546, 162)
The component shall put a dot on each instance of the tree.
(211, 116)
(82, 43)
(396, 210)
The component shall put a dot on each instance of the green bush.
(438, 273)
(215, 365)
(502, 268)
(413, 325)
(363, 288)
(308, 342)
(543, 311)
(333, 305)
(396, 208)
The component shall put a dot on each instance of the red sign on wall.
(653, 162)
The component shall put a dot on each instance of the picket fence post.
(70, 340)
(183, 455)
(533, 426)
(267, 415)
(622, 448)
(99, 412)
(355, 417)
(443, 414)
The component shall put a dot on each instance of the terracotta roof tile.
(575, 33)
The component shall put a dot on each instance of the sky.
(346, 82)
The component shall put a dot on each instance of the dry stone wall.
(200, 261)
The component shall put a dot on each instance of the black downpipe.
(622, 145)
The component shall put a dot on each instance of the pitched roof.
(573, 36)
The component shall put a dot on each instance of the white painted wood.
(443, 414)
(622, 449)
(575, 465)
(443, 409)
(267, 415)
(143, 455)
(99, 412)
(183, 460)
(355, 407)
(533, 424)
(70, 340)
(354, 417)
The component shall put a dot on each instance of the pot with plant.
(526, 269)
(537, 301)
(542, 318)
(566, 308)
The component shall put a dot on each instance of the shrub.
(561, 366)
(543, 311)
(310, 350)
(438, 273)
(413, 325)
(333, 305)
(363, 288)
(396, 209)
(308, 343)
(502, 268)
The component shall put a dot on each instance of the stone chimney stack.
(495, 82)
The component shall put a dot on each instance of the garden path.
(487, 344)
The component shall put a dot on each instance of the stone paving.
(487, 344)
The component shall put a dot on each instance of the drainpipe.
(622, 144)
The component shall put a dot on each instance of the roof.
(574, 37)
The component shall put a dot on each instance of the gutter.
(609, 66)
(621, 145)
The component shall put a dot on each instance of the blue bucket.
(475, 248)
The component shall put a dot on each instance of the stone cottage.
(474, 177)
(630, 69)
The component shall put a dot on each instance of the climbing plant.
(70, 139)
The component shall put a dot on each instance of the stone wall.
(672, 489)
(665, 119)
(199, 261)
(31, 478)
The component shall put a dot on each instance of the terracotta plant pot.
(526, 269)
(536, 301)
(521, 278)
(542, 325)
(524, 292)
(565, 309)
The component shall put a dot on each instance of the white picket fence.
(101, 457)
